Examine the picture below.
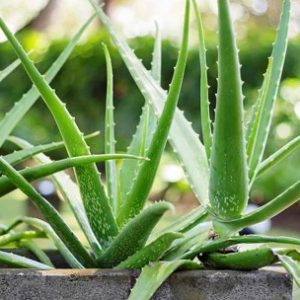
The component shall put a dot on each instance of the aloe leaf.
(258, 115)
(21, 262)
(33, 173)
(278, 156)
(247, 260)
(37, 251)
(188, 221)
(145, 129)
(198, 234)
(215, 245)
(260, 131)
(150, 253)
(110, 142)
(144, 180)
(19, 156)
(133, 235)
(50, 214)
(181, 134)
(69, 192)
(292, 266)
(9, 69)
(92, 191)
(229, 179)
(13, 117)
(48, 230)
(204, 87)
(12, 237)
(267, 211)
(154, 275)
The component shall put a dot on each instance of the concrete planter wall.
(65, 284)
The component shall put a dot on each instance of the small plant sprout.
(118, 225)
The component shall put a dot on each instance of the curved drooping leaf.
(92, 191)
(47, 229)
(13, 117)
(37, 251)
(142, 184)
(50, 214)
(260, 129)
(21, 262)
(69, 192)
(21, 155)
(9, 69)
(204, 87)
(37, 172)
(154, 275)
(150, 253)
(215, 245)
(265, 212)
(13, 237)
(133, 236)
(181, 134)
(228, 166)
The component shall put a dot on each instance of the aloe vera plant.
(118, 229)
(222, 175)
(221, 171)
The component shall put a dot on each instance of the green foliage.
(228, 170)
(120, 231)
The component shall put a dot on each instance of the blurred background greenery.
(46, 26)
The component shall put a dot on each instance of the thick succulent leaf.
(69, 192)
(228, 177)
(134, 235)
(13, 237)
(263, 113)
(13, 117)
(50, 214)
(181, 134)
(204, 88)
(267, 211)
(152, 277)
(145, 129)
(24, 154)
(150, 253)
(47, 229)
(138, 195)
(215, 245)
(37, 172)
(9, 69)
(247, 260)
(21, 262)
(110, 142)
(37, 251)
(92, 191)
(278, 156)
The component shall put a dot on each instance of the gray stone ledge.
(65, 284)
